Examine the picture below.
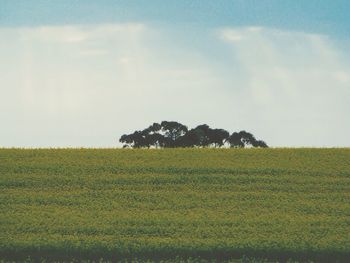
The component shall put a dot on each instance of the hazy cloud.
(86, 85)
(298, 84)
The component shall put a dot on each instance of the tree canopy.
(171, 134)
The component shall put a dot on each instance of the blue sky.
(321, 16)
(81, 73)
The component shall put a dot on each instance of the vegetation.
(183, 204)
(171, 134)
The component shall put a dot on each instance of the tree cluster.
(171, 134)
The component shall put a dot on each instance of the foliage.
(204, 204)
(171, 134)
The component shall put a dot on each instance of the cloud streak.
(298, 83)
(86, 85)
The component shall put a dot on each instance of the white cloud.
(86, 85)
(298, 84)
(342, 76)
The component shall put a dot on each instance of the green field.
(209, 204)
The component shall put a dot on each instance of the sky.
(81, 73)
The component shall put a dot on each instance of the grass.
(183, 205)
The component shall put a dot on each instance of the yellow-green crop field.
(175, 204)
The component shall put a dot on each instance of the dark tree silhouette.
(206, 136)
(155, 139)
(128, 142)
(152, 136)
(135, 140)
(172, 131)
(155, 127)
(235, 140)
(203, 132)
(260, 143)
(171, 134)
(247, 138)
(193, 138)
(243, 138)
(217, 137)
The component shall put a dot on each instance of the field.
(175, 204)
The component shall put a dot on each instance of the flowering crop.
(208, 204)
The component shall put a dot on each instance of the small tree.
(243, 138)
(193, 138)
(172, 132)
(218, 137)
(260, 144)
(135, 140)
(235, 140)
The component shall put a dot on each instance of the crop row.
(74, 204)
